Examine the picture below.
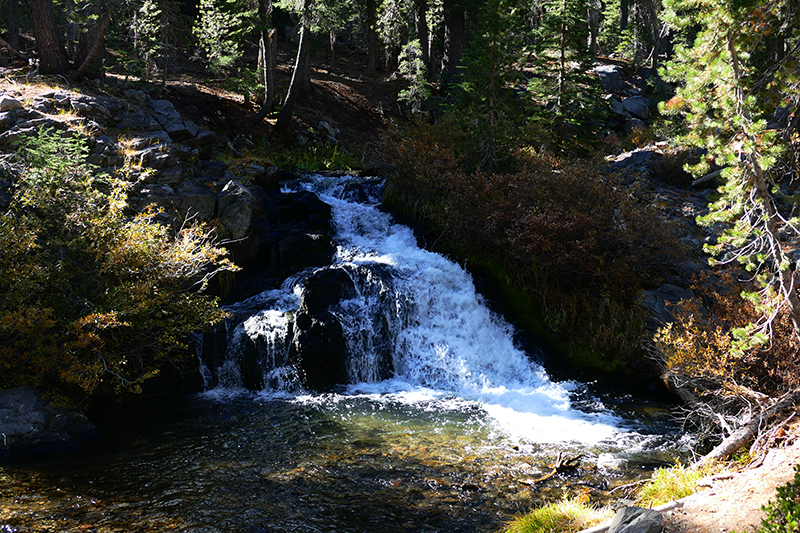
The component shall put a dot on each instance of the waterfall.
(390, 318)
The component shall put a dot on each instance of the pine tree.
(737, 74)
(562, 59)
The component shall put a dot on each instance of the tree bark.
(270, 39)
(421, 26)
(92, 63)
(13, 24)
(285, 116)
(623, 15)
(455, 39)
(372, 37)
(52, 57)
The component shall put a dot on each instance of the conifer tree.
(737, 74)
(562, 57)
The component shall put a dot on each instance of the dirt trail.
(733, 501)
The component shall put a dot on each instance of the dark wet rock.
(30, 424)
(319, 349)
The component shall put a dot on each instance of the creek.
(442, 422)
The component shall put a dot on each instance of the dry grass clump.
(565, 516)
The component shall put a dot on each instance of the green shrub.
(783, 515)
(88, 295)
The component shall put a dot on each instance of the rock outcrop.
(30, 424)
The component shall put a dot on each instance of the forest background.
(497, 156)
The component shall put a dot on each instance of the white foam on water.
(453, 345)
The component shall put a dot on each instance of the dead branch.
(751, 429)
(561, 465)
(15, 53)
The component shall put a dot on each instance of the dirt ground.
(732, 502)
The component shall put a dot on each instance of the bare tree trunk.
(285, 116)
(267, 59)
(593, 21)
(91, 58)
(562, 74)
(332, 42)
(372, 37)
(13, 24)
(270, 62)
(623, 15)
(455, 39)
(52, 58)
(421, 26)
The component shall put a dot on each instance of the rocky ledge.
(30, 424)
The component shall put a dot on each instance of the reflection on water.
(335, 463)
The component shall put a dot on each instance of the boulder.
(31, 424)
(610, 77)
(9, 104)
(661, 303)
(197, 201)
(637, 520)
(235, 207)
(637, 106)
(319, 349)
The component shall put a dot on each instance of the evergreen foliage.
(570, 100)
(90, 298)
(735, 77)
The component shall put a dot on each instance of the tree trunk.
(13, 24)
(372, 37)
(421, 26)
(52, 58)
(285, 116)
(270, 39)
(91, 63)
(562, 73)
(623, 15)
(455, 39)
(267, 59)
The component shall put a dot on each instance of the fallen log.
(739, 438)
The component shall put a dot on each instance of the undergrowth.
(574, 238)
(668, 484)
(783, 514)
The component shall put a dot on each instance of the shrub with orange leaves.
(702, 342)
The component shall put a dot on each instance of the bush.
(783, 515)
(88, 295)
(576, 240)
(703, 343)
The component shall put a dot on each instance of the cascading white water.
(446, 344)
